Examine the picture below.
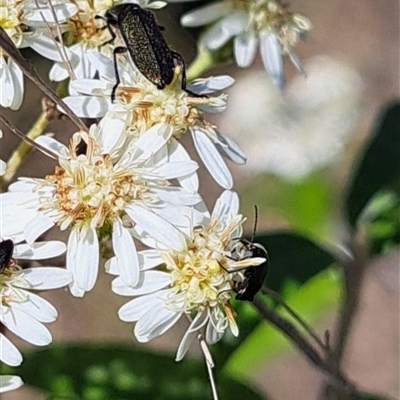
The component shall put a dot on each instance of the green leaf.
(369, 396)
(318, 295)
(293, 259)
(95, 372)
(304, 204)
(379, 167)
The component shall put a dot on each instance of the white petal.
(153, 139)
(18, 82)
(226, 205)
(157, 227)
(45, 278)
(149, 259)
(6, 84)
(271, 55)
(176, 196)
(206, 14)
(39, 251)
(103, 64)
(3, 167)
(58, 72)
(111, 266)
(87, 259)
(134, 309)
(224, 30)
(245, 48)
(175, 169)
(125, 251)
(199, 320)
(155, 322)
(213, 335)
(297, 63)
(63, 11)
(72, 262)
(88, 107)
(36, 227)
(176, 152)
(179, 216)
(149, 282)
(9, 382)
(90, 86)
(110, 134)
(47, 48)
(36, 307)
(53, 145)
(211, 85)
(9, 354)
(229, 149)
(212, 159)
(26, 327)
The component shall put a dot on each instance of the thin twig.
(209, 364)
(30, 72)
(25, 138)
(334, 376)
(58, 44)
(275, 296)
(354, 271)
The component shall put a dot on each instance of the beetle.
(254, 276)
(145, 43)
(6, 252)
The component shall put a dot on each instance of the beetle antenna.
(255, 223)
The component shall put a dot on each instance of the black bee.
(145, 43)
(6, 252)
(254, 276)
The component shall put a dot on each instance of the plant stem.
(354, 271)
(20, 153)
(203, 62)
(334, 376)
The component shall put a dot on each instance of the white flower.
(194, 280)
(9, 382)
(306, 129)
(98, 194)
(85, 35)
(264, 23)
(22, 310)
(141, 107)
(23, 23)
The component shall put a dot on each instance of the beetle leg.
(117, 50)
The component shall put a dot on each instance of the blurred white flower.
(267, 24)
(192, 280)
(22, 310)
(160, 117)
(305, 129)
(98, 194)
(23, 23)
(9, 382)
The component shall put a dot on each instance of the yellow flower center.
(200, 273)
(84, 27)
(11, 15)
(150, 106)
(90, 189)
